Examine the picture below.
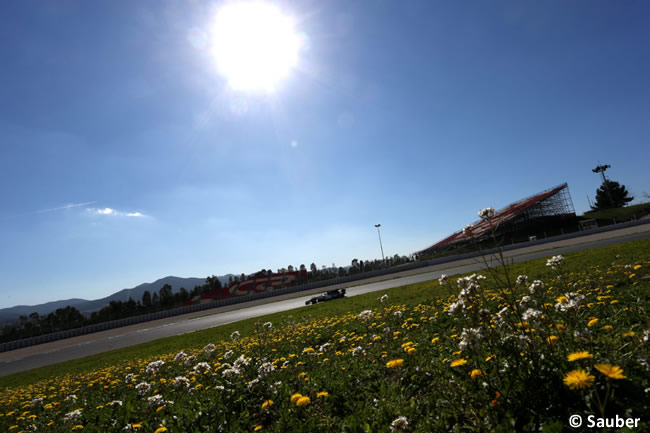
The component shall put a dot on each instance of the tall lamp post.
(380, 245)
(601, 169)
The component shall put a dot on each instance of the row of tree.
(164, 299)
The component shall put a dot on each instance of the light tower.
(601, 168)
(380, 245)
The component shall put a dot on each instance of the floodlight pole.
(601, 169)
(380, 245)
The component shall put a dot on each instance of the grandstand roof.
(504, 215)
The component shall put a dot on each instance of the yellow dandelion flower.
(296, 397)
(552, 339)
(632, 275)
(629, 334)
(160, 409)
(161, 430)
(322, 394)
(258, 428)
(608, 327)
(578, 379)
(476, 373)
(592, 322)
(137, 425)
(576, 356)
(435, 340)
(490, 357)
(77, 427)
(267, 403)
(560, 327)
(395, 363)
(303, 401)
(411, 351)
(458, 362)
(611, 371)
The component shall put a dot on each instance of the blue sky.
(412, 114)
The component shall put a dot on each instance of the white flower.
(201, 367)
(230, 372)
(180, 356)
(527, 301)
(252, 383)
(456, 306)
(209, 348)
(228, 354)
(115, 403)
(358, 351)
(37, 401)
(500, 319)
(444, 279)
(143, 388)
(398, 424)
(486, 213)
(571, 302)
(189, 360)
(241, 362)
(234, 336)
(467, 230)
(530, 314)
(182, 380)
(536, 286)
(324, 347)
(153, 367)
(155, 400)
(383, 299)
(72, 416)
(397, 314)
(365, 315)
(265, 369)
(268, 325)
(71, 397)
(522, 280)
(555, 262)
(470, 337)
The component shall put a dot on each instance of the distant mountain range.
(88, 306)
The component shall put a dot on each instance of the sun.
(255, 45)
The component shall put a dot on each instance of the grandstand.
(544, 214)
(257, 283)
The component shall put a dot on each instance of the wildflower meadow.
(516, 348)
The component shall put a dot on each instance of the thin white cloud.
(67, 206)
(53, 209)
(114, 212)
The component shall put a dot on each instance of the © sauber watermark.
(593, 421)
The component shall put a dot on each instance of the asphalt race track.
(77, 347)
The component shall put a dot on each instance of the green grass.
(409, 295)
(428, 357)
(620, 214)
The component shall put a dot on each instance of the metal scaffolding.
(547, 212)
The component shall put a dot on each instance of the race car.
(328, 296)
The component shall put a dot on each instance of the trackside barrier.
(17, 344)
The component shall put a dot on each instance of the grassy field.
(473, 354)
(620, 214)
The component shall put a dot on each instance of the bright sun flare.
(255, 45)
